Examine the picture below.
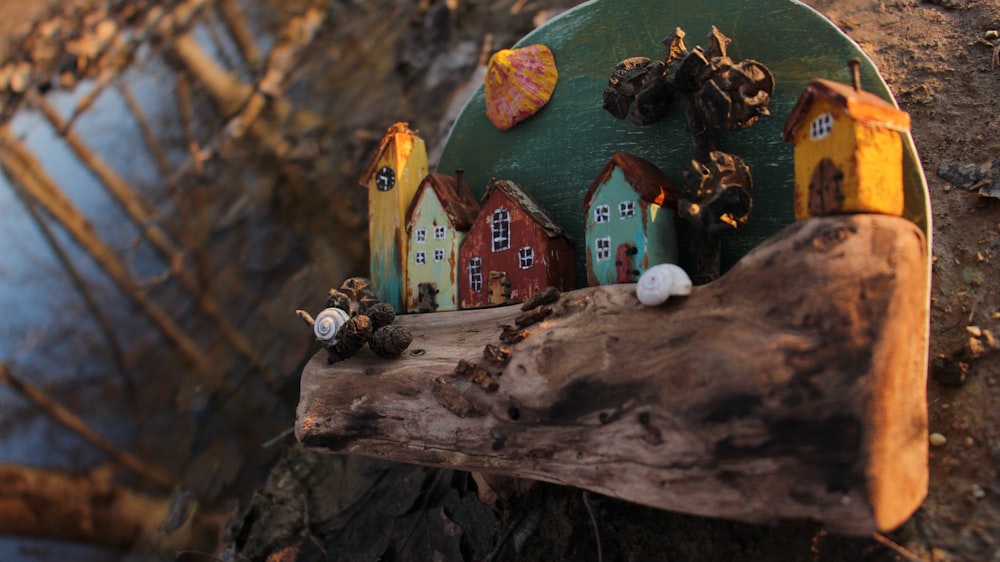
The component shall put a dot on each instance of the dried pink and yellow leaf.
(518, 83)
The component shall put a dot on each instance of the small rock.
(976, 348)
(938, 439)
(974, 331)
(949, 371)
(964, 175)
(978, 492)
(990, 339)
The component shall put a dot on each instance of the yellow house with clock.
(392, 179)
(848, 151)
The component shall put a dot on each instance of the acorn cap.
(518, 83)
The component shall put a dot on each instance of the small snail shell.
(328, 323)
(661, 282)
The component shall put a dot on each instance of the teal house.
(437, 221)
(631, 210)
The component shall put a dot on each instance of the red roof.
(527, 203)
(648, 181)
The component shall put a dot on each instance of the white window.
(602, 214)
(420, 258)
(821, 126)
(476, 274)
(626, 209)
(439, 232)
(501, 230)
(438, 255)
(420, 236)
(526, 257)
(603, 247)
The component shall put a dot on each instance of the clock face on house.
(385, 178)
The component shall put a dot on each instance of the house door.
(427, 297)
(625, 268)
(499, 288)
(826, 190)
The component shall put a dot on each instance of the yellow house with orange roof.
(848, 151)
(392, 179)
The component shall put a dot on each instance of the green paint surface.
(428, 215)
(650, 229)
(556, 154)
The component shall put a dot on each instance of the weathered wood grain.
(792, 387)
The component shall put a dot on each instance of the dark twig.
(593, 521)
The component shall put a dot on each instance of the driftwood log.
(792, 387)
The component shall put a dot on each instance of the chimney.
(855, 65)
(459, 173)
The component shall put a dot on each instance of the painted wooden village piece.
(392, 178)
(631, 211)
(514, 251)
(792, 386)
(846, 145)
(439, 217)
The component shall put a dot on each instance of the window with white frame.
(603, 248)
(438, 255)
(501, 230)
(476, 274)
(526, 257)
(821, 126)
(420, 258)
(602, 213)
(420, 235)
(439, 232)
(626, 209)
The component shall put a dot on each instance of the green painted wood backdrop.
(556, 154)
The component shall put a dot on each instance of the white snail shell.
(328, 323)
(661, 282)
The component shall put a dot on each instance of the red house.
(513, 250)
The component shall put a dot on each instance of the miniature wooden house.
(392, 178)
(513, 250)
(441, 213)
(631, 209)
(848, 151)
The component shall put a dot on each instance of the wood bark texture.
(91, 508)
(792, 387)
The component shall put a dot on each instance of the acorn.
(381, 313)
(390, 341)
(337, 299)
(354, 334)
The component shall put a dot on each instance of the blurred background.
(177, 178)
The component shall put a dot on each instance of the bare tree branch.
(150, 138)
(143, 216)
(229, 10)
(71, 421)
(90, 508)
(27, 173)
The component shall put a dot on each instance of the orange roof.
(387, 140)
(648, 181)
(861, 105)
